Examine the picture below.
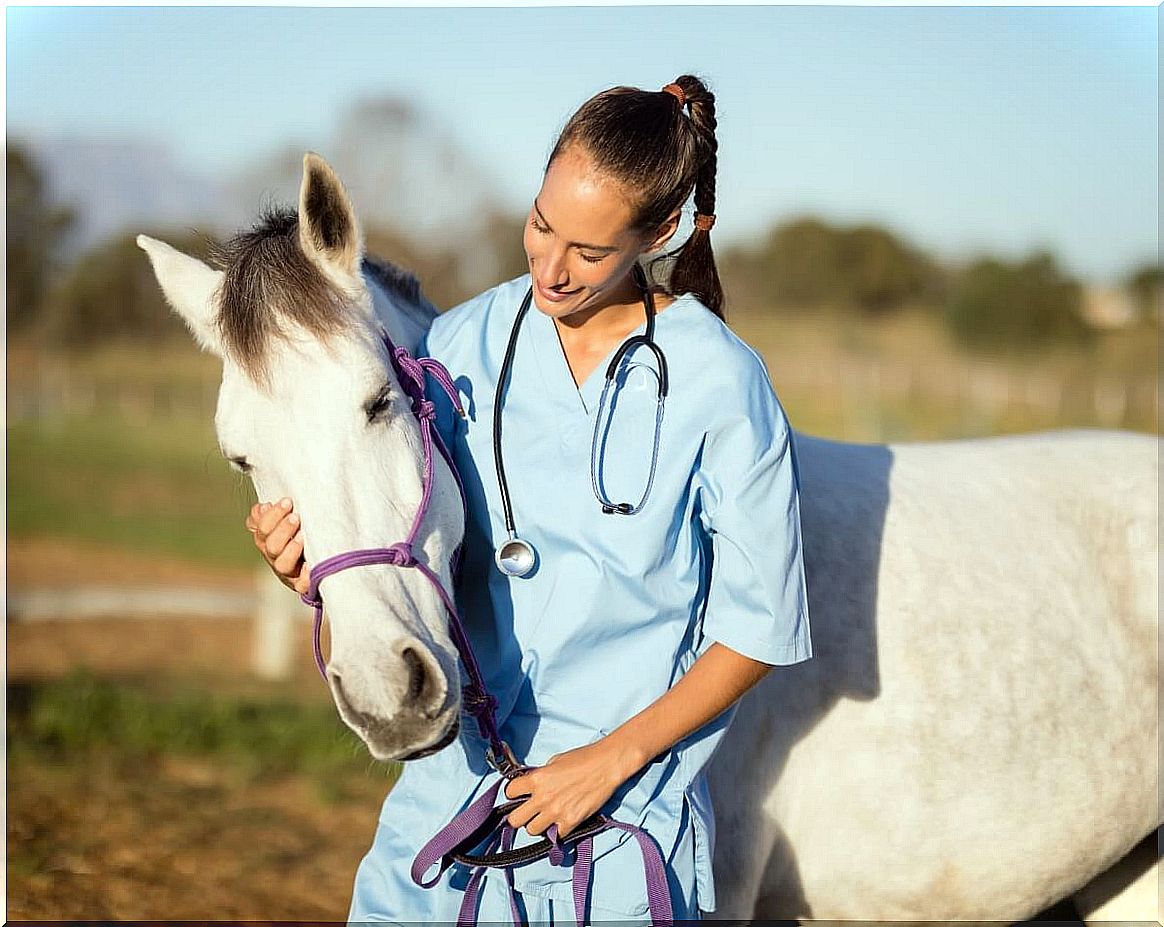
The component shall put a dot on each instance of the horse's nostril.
(416, 674)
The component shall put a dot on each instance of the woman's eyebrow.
(573, 244)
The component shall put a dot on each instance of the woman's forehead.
(581, 204)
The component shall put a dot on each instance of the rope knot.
(409, 366)
(402, 554)
(423, 409)
(311, 597)
(474, 699)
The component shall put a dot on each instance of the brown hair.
(268, 279)
(662, 148)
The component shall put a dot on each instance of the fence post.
(276, 613)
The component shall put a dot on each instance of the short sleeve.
(749, 480)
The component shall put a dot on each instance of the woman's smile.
(555, 295)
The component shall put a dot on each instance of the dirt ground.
(180, 841)
(182, 837)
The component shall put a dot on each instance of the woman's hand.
(279, 538)
(566, 791)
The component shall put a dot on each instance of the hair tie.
(677, 92)
(704, 221)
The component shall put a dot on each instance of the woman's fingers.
(521, 815)
(290, 560)
(280, 536)
(519, 785)
(270, 514)
(524, 813)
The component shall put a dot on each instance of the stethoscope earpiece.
(516, 557)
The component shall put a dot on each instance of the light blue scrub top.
(619, 607)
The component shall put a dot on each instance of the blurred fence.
(1104, 399)
(1108, 401)
(55, 388)
(275, 612)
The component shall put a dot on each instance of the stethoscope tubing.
(521, 557)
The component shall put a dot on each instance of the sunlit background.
(933, 223)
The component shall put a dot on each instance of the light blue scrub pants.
(385, 893)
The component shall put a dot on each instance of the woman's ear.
(664, 232)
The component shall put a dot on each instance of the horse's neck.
(406, 324)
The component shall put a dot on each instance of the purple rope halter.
(481, 819)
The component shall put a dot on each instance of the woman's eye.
(240, 464)
(592, 260)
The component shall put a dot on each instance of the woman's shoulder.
(727, 377)
(714, 344)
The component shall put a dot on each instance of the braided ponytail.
(694, 270)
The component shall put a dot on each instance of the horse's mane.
(267, 278)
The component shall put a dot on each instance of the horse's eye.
(378, 404)
(240, 464)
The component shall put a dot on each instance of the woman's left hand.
(569, 788)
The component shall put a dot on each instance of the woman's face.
(579, 241)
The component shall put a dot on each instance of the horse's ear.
(327, 222)
(190, 288)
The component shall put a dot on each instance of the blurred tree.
(878, 272)
(800, 262)
(501, 237)
(435, 268)
(1146, 284)
(481, 259)
(995, 305)
(35, 229)
(111, 293)
(807, 263)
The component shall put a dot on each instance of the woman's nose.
(551, 270)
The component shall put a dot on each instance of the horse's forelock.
(268, 278)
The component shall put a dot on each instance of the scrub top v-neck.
(618, 607)
(552, 359)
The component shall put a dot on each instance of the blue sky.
(963, 128)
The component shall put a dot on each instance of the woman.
(616, 658)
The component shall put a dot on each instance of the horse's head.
(311, 408)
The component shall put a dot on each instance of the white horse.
(976, 735)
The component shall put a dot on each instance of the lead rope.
(476, 698)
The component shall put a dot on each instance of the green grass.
(80, 717)
(159, 486)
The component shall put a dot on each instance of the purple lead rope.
(476, 698)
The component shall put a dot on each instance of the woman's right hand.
(279, 538)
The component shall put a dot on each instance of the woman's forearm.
(713, 684)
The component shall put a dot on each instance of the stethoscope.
(516, 556)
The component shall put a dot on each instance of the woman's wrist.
(627, 755)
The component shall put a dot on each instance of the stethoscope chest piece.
(515, 557)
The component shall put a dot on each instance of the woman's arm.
(575, 784)
(713, 684)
